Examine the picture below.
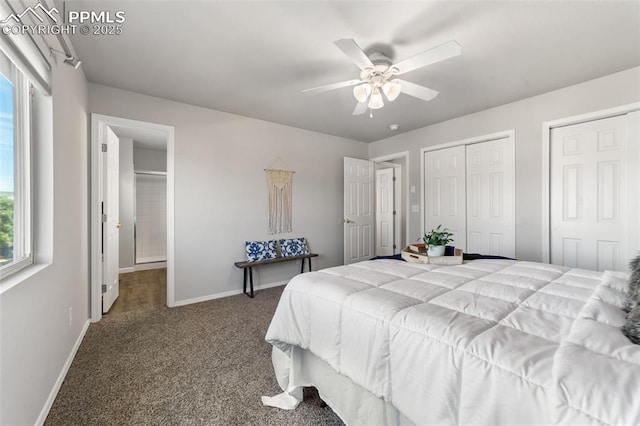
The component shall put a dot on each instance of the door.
(444, 184)
(593, 189)
(386, 229)
(491, 198)
(358, 210)
(110, 219)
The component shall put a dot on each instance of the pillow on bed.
(293, 247)
(260, 250)
(631, 328)
(633, 289)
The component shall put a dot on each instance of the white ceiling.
(254, 58)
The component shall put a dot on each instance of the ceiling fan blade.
(361, 108)
(353, 51)
(417, 91)
(432, 56)
(333, 86)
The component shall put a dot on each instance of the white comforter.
(488, 342)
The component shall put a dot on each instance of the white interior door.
(358, 210)
(445, 202)
(385, 212)
(111, 212)
(593, 183)
(491, 198)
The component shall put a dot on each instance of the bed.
(489, 342)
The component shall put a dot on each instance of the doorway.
(104, 197)
(363, 228)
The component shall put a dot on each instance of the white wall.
(526, 117)
(220, 188)
(149, 160)
(36, 338)
(126, 203)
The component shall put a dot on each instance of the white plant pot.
(435, 251)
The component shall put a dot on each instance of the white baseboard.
(147, 266)
(126, 270)
(227, 294)
(63, 373)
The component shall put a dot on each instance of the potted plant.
(436, 240)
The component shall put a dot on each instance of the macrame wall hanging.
(279, 184)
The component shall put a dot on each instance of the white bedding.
(487, 342)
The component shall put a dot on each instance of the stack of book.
(418, 247)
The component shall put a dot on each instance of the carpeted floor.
(202, 364)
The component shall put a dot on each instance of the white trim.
(126, 270)
(405, 183)
(547, 126)
(98, 121)
(227, 293)
(63, 373)
(148, 266)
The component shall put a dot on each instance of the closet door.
(591, 171)
(491, 198)
(445, 200)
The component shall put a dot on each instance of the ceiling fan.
(379, 74)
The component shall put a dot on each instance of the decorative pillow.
(631, 328)
(633, 290)
(293, 247)
(260, 250)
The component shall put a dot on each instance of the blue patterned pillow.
(293, 247)
(260, 250)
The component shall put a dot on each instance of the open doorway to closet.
(132, 220)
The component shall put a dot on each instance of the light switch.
(413, 189)
(415, 208)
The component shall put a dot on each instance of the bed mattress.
(486, 342)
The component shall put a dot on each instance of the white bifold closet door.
(470, 189)
(490, 198)
(151, 218)
(594, 193)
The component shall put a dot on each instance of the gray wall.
(526, 117)
(220, 188)
(37, 338)
(149, 160)
(126, 203)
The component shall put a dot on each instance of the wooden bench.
(249, 266)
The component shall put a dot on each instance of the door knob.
(119, 225)
(348, 221)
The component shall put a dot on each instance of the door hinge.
(394, 213)
(395, 247)
(103, 147)
(104, 288)
(104, 217)
(394, 178)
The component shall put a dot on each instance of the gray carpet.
(202, 364)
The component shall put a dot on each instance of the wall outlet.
(415, 208)
(70, 316)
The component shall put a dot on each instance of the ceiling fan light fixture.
(375, 101)
(362, 92)
(391, 90)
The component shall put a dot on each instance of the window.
(15, 169)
